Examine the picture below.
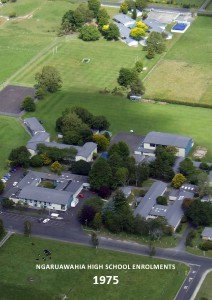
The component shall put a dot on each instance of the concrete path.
(7, 236)
(181, 245)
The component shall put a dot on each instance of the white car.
(3, 180)
(46, 220)
(15, 183)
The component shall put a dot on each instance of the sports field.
(12, 135)
(19, 277)
(185, 72)
(195, 3)
(206, 289)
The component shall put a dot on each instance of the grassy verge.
(206, 289)
(20, 277)
(12, 135)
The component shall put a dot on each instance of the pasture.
(12, 135)
(23, 280)
(185, 72)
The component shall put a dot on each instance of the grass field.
(12, 135)
(195, 3)
(21, 7)
(186, 75)
(206, 289)
(19, 265)
(125, 115)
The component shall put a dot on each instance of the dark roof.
(73, 186)
(86, 149)
(167, 139)
(155, 25)
(132, 140)
(39, 137)
(45, 195)
(34, 125)
(207, 232)
(188, 187)
(149, 200)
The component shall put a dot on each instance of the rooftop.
(174, 213)
(45, 195)
(149, 200)
(167, 139)
(159, 210)
(207, 232)
(34, 125)
(122, 18)
(131, 139)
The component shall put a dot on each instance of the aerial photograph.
(105, 149)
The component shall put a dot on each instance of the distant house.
(154, 139)
(155, 25)
(33, 125)
(125, 35)
(207, 234)
(124, 20)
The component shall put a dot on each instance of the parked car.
(81, 195)
(46, 220)
(15, 183)
(3, 180)
(40, 220)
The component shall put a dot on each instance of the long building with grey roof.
(33, 125)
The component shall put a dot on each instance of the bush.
(204, 166)
(12, 14)
(206, 246)
(28, 104)
(36, 161)
(104, 192)
(48, 184)
(81, 167)
(89, 33)
(7, 203)
(161, 200)
(179, 228)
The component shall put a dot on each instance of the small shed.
(135, 98)
(207, 234)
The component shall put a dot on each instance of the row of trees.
(155, 44)
(130, 5)
(117, 216)
(76, 123)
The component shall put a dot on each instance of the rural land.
(106, 149)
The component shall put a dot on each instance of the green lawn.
(21, 7)
(206, 289)
(12, 135)
(193, 3)
(20, 265)
(125, 115)
(185, 72)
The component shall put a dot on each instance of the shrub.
(12, 14)
(161, 200)
(36, 161)
(7, 203)
(81, 167)
(179, 227)
(206, 246)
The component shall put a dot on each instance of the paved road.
(65, 230)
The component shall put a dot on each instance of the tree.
(186, 203)
(20, 157)
(127, 76)
(100, 174)
(141, 173)
(139, 66)
(28, 104)
(87, 214)
(156, 42)
(94, 5)
(130, 4)
(203, 184)
(27, 228)
(111, 32)
(102, 141)
(56, 167)
(141, 4)
(81, 167)
(150, 52)
(97, 221)
(200, 213)
(2, 186)
(124, 8)
(161, 200)
(121, 176)
(2, 230)
(104, 192)
(103, 17)
(186, 167)
(178, 180)
(85, 116)
(48, 79)
(36, 161)
(137, 88)
(137, 33)
(119, 200)
(89, 33)
(45, 159)
(7, 203)
(94, 240)
(100, 122)
(134, 13)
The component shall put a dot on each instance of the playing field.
(195, 3)
(185, 73)
(125, 115)
(19, 277)
(12, 135)
(206, 289)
